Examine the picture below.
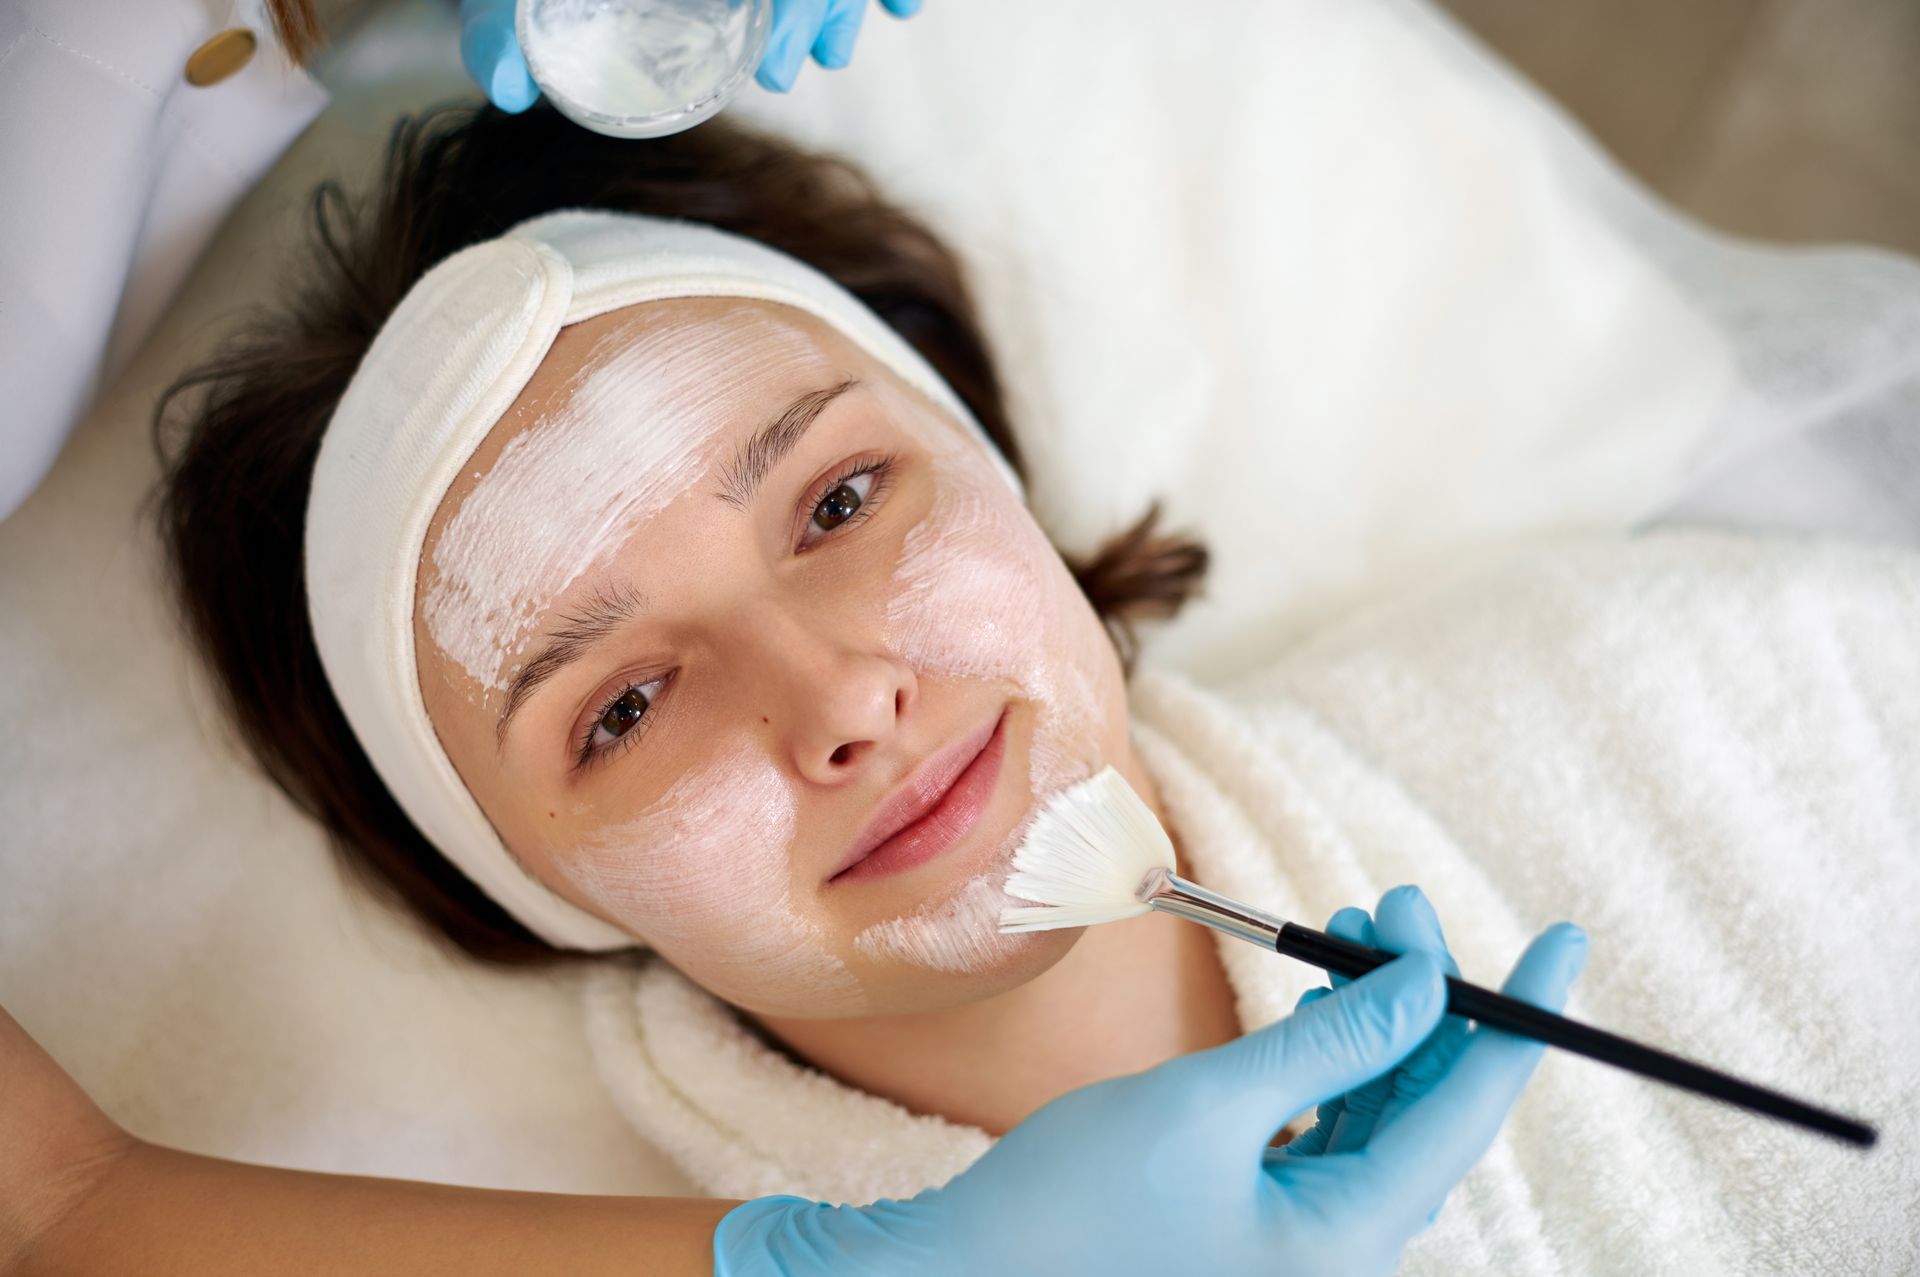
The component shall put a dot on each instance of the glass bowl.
(641, 68)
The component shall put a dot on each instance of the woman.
(720, 592)
(253, 446)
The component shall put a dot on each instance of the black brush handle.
(1514, 1016)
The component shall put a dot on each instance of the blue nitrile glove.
(824, 28)
(1405, 922)
(1168, 1171)
(492, 53)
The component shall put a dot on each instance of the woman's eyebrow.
(604, 612)
(760, 454)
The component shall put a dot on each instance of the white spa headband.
(444, 368)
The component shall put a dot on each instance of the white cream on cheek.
(633, 432)
(704, 874)
(979, 593)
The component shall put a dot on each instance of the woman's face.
(720, 603)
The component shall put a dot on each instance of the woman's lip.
(939, 805)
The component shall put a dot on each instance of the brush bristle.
(1084, 857)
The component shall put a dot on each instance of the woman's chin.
(992, 967)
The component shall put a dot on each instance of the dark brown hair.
(238, 435)
(297, 27)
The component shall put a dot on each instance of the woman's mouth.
(933, 810)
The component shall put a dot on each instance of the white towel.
(1702, 746)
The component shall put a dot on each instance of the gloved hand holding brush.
(1174, 1163)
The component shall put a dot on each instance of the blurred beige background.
(1783, 119)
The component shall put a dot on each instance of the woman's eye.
(624, 712)
(621, 716)
(843, 502)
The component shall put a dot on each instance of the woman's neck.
(1127, 996)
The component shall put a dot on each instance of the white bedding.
(1705, 749)
(1355, 304)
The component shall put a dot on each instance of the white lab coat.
(115, 172)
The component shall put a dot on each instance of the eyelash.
(590, 753)
(882, 470)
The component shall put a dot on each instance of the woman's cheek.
(705, 875)
(979, 593)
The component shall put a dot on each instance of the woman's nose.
(833, 695)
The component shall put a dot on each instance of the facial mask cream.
(631, 432)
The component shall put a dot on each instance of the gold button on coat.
(220, 57)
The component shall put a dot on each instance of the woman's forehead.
(703, 355)
(758, 338)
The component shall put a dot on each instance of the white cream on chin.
(633, 432)
(958, 934)
(704, 874)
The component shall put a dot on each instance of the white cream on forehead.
(634, 430)
(704, 874)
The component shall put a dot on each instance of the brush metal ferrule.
(1168, 892)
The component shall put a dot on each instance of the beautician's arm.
(80, 1195)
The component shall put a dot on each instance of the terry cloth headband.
(443, 369)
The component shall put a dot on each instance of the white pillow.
(1342, 289)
